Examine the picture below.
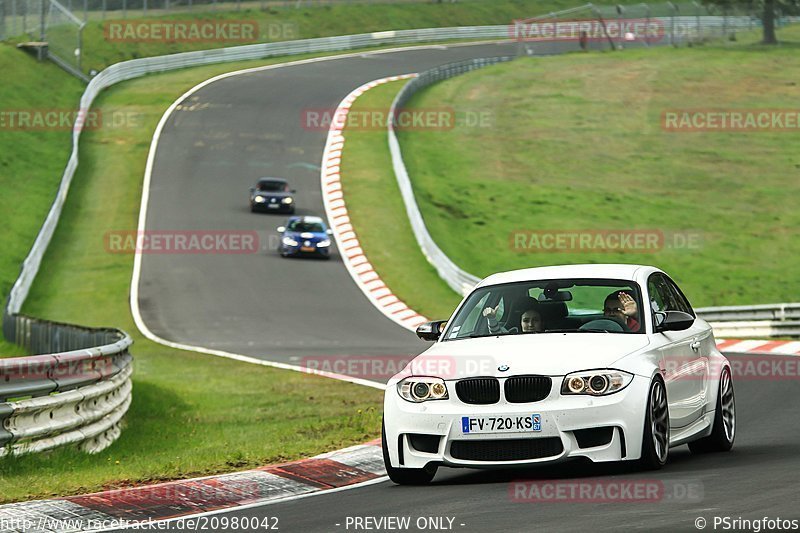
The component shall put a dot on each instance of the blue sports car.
(305, 236)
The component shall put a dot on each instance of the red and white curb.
(759, 346)
(347, 241)
(130, 507)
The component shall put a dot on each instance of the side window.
(656, 299)
(664, 296)
(680, 300)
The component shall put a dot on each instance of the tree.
(768, 19)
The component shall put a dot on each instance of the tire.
(655, 441)
(405, 476)
(723, 431)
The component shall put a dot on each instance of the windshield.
(272, 186)
(306, 226)
(549, 306)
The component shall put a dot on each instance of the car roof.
(594, 271)
(307, 218)
(262, 180)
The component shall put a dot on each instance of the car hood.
(303, 236)
(551, 354)
(276, 194)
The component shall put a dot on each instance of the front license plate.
(273, 206)
(501, 424)
(306, 248)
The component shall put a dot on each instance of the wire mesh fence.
(594, 27)
(23, 17)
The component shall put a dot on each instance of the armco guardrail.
(77, 396)
(768, 320)
(740, 313)
(459, 280)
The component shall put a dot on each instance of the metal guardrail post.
(697, 8)
(672, 23)
(3, 31)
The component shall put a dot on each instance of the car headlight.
(259, 199)
(324, 244)
(288, 241)
(287, 200)
(422, 389)
(595, 382)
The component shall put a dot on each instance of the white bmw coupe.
(606, 362)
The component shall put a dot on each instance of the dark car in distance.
(272, 195)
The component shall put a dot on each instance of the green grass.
(575, 142)
(378, 214)
(191, 414)
(31, 162)
(278, 24)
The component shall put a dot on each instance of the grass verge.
(378, 214)
(575, 142)
(191, 414)
(31, 162)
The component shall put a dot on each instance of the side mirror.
(329, 231)
(673, 321)
(252, 190)
(431, 331)
(281, 229)
(294, 191)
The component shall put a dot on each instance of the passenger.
(621, 306)
(530, 321)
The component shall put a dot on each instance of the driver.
(621, 307)
(530, 321)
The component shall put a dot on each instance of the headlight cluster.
(259, 199)
(324, 244)
(288, 241)
(422, 389)
(596, 382)
(287, 200)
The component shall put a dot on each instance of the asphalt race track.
(210, 153)
(238, 129)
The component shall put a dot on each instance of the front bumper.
(561, 417)
(278, 207)
(324, 251)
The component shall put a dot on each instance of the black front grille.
(524, 389)
(478, 390)
(506, 449)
